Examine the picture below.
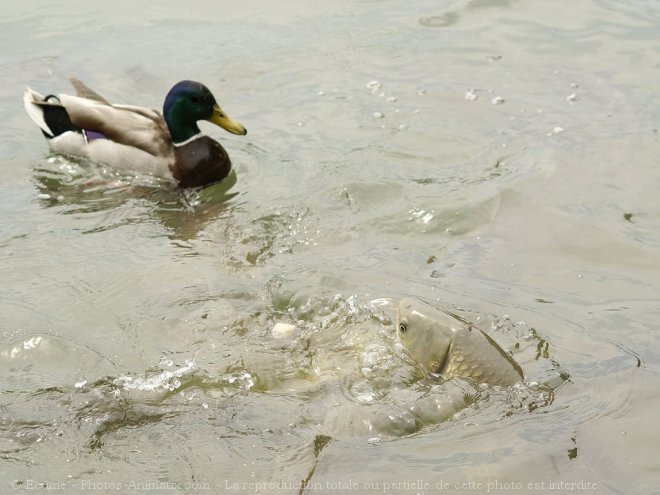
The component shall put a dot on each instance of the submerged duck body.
(446, 345)
(168, 144)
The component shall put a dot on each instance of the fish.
(445, 344)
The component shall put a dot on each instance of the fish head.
(426, 332)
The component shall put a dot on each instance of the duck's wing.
(85, 91)
(139, 127)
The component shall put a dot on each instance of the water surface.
(494, 158)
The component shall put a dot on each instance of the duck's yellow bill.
(220, 118)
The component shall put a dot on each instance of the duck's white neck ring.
(190, 139)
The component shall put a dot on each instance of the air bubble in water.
(373, 86)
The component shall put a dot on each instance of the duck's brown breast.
(200, 162)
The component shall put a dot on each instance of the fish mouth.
(221, 119)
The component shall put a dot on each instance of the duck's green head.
(190, 101)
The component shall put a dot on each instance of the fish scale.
(449, 346)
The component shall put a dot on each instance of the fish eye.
(403, 328)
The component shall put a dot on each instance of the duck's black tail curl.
(48, 113)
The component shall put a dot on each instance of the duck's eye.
(194, 99)
(403, 328)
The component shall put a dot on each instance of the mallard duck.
(168, 145)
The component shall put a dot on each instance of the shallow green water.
(495, 158)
